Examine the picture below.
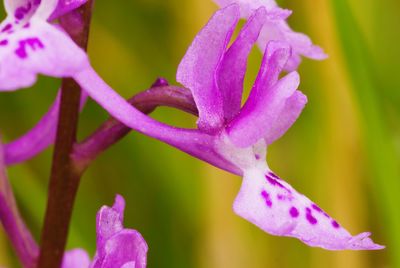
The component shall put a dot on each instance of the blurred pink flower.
(276, 28)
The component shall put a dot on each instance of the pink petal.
(109, 221)
(289, 114)
(76, 258)
(301, 44)
(117, 246)
(247, 7)
(198, 67)
(125, 249)
(233, 66)
(262, 109)
(45, 9)
(277, 29)
(37, 48)
(274, 206)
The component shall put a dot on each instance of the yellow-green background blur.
(343, 152)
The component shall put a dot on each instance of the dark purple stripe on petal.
(316, 208)
(274, 175)
(274, 182)
(335, 224)
(6, 28)
(320, 210)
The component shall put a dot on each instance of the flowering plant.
(229, 135)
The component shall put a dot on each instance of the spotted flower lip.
(276, 28)
(229, 136)
(116, 245)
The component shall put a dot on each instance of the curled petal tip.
(279, 14)
(119, 205)
(317, 53)
(364, 242)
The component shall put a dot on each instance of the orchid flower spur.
(116, 246)
(229, 136)
(276, 28)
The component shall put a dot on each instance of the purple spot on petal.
(310, 217)
(33, 43)
(20, 12)
(267, 198)
(6, 28)
(317, 208)
(27, 25)
(3, 42)
(257, 156)
(294, 212)
(335, 224)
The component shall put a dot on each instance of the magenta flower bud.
(116, 245)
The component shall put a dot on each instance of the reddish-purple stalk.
(20, 237)
(111, 131)
(64, 179)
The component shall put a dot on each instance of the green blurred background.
(343, 152)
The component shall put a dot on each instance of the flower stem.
(111, 131)
(64, 179)
(21, 238)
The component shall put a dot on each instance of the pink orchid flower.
(228, 136)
